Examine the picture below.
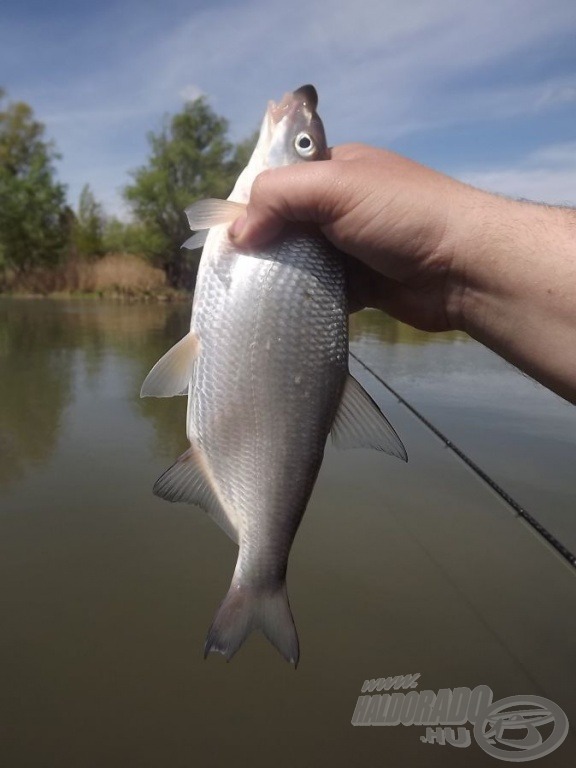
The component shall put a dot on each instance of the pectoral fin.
(211, 212)
(188, 480)
(172, 373)
(360, 423)
(196, 241)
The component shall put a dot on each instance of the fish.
(265, 367)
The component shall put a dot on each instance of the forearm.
(443, 254)
(514, 290)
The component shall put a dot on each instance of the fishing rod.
(504, 495)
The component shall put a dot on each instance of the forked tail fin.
(243, 610)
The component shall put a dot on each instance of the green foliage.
(34, 220)
(191, 158)
(88, 228)
(130, 237)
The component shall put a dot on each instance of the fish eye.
(304, 144)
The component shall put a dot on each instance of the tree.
(33, 216)
(88, 230)
(128, 237)
(191, 158)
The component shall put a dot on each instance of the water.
(107, 592)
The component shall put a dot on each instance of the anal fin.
(188, 480)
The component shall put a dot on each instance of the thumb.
(299, 193)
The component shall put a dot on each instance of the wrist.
(459, 249)
(514, 287)
(490, 245)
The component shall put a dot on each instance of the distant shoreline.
(168, 295)
(116, 276)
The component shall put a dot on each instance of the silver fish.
(266, 369)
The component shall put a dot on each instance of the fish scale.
(284, 424)
(266, 369)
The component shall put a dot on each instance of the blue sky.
(482, 89)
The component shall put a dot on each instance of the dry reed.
(121, 274)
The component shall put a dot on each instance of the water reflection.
(107, 591)
(48, 349)
(372, 326)
(521, 434)
(35, 385)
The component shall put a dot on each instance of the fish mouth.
(305, 97)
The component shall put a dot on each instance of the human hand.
(395, 217)
(436, 253)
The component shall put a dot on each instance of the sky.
(484, 90)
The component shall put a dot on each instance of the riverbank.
(168, 295)
(117, 276)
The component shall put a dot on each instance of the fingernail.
(237, 226)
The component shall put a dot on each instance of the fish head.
(291, 132)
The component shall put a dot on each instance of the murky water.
(107, 592)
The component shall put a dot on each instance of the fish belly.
(272, 362)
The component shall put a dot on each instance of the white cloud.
(382, 68)
(402, 65)
(558, 93)
(547, 175)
